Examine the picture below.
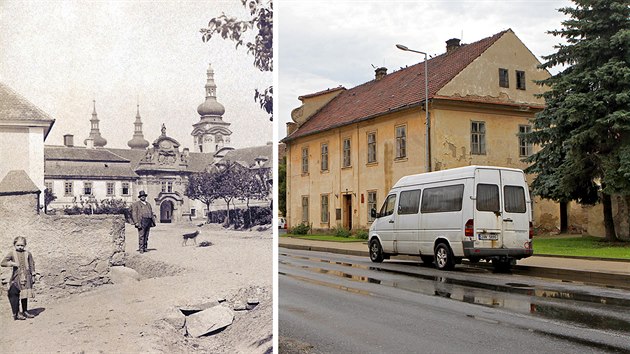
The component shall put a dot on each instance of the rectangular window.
(371, 147)
(305, 160)
(478, 138)
(67, 189)
(324, 206)
(110, 188)
(305, 209)
(167, 186)
(401, 141)
(409, 202)
(346, 153)
(442, 199)
(524, 147)
(514, 199)
(49, 186)
(125, 188)
(324, 157)
(504, 78)
(520, 80)
(193, 212)
(87, 188)
(487, 197)
(371, 203)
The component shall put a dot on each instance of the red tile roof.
(395, 91)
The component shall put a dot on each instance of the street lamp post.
(426, 105)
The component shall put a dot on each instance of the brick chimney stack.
(452, 44)
(68, 140)
(380, 73)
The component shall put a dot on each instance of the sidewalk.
(597, 271)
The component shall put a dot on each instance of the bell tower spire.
(95, 133)
(211, 133)
(138, 141)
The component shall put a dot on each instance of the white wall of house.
(23, 149)
(99, 191)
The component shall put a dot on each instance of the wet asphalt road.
(331, 303)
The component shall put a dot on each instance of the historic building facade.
(87, 175)
(347, 147)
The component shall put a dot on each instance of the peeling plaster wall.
(69, 251)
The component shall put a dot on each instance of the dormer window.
(520, 80)
(504, 78)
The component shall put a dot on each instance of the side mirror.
(373, 213)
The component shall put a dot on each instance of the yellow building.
(347, 147)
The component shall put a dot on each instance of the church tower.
(211, 133)
(95, 134)
(138, 141)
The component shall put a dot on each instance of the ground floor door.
(347, 211)
(166, 211)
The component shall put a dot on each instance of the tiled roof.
(198, 161)
(15, 107)
(81, 154)
(17, 181)
(395, 91)
(133, 155)
(247, 156)
(53, 169)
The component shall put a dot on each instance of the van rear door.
(488, 222)
(516, 209)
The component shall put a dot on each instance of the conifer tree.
(584, 131)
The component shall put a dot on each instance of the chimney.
(452, 44)
(68, 140)
(90, 143)
(380, 73)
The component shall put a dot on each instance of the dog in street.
(190, 236)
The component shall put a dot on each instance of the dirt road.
(138, 316)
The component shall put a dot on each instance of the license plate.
(488, 237)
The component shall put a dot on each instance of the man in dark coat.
(142, 217)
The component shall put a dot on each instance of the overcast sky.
(61, 55)
(324, 44)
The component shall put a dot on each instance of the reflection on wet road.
(580, 306)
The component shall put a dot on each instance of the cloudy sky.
(61, 55)
(326, 43)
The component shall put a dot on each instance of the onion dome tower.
(211, 133)
(138, 141)
(95, 133)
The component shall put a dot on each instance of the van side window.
(388, 206)
(442, 199)
(487, 197)
(514, 199)
(409, 202)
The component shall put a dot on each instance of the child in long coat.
(21, 282)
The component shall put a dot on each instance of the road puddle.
(516, 297)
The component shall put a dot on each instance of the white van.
(473, 212)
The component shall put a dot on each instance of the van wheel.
(443, 257)
(427, 259)
(376, 251)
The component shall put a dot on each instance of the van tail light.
(531, 230)
(469, 229)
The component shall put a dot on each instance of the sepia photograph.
(136, 176)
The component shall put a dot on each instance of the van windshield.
(388, 206)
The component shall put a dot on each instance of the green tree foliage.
(260, 46)
(282, 186)
(584, 131)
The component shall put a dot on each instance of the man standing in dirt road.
(142, 216)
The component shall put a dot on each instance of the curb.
(572, 275)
